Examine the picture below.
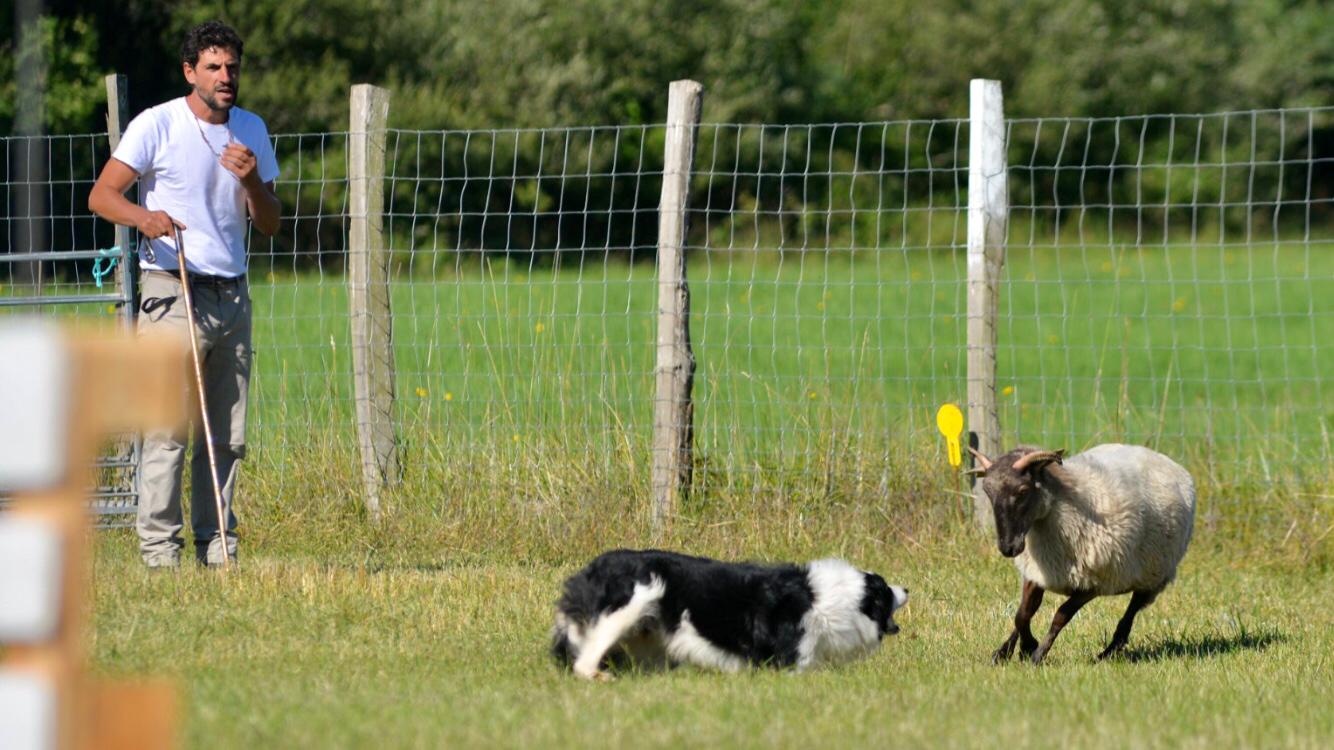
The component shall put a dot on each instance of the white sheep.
(1115, 519)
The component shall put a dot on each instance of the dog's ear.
(563, 649)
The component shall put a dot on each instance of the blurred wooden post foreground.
(91, 385)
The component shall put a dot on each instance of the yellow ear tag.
(950, 421)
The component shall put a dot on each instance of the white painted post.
(988, 213)
(673, 410)
(368, 294)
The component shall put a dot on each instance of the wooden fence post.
(673, 410)
(117, 117)
(368, 294)
(988, 212)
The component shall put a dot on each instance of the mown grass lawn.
(418, 650)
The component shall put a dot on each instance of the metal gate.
(58, 260)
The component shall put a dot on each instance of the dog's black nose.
(892, 629)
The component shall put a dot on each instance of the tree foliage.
(462, 64)
(899, 58)
(58, 55)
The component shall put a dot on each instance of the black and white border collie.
(652, 609)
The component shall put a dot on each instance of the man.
(202, 164)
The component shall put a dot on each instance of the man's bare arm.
(107, 199)
(265, 209)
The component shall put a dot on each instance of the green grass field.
(809, 363)
(1215, 353)
(525, 407)
(312, 647)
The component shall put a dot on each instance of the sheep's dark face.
(1012, 484)
(1015, 505)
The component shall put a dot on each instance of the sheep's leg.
(1138, 600)
(1029, 602)
(1067, 611)
(1028, 607)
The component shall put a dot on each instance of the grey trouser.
(222, 322)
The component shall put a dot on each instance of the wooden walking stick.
(203, 404)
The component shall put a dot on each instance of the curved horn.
(981, 459)
(1037, 459)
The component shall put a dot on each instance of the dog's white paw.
(594, 676)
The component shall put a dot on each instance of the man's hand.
(156, 224)
(238, 159)
(265, 211)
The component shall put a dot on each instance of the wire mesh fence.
(54, 247)
(1169, 280)
(59, 260)
(827, 291)
(829, 312)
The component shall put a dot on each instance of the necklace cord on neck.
(205, 139)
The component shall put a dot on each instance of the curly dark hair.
(206, 36)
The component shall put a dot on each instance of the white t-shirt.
(176, 155)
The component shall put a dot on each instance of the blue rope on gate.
(111, 254)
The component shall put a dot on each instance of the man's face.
(216, 77)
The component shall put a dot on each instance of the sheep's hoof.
(1111, 652)
(1038, 656)
(1026, 649)
(1006, 650)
